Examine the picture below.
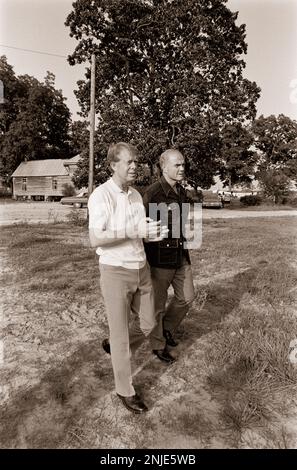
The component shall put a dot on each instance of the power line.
(35, 52)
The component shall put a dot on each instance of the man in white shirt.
(117, 225)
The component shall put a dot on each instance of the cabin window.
(54, 183)
(24, 184)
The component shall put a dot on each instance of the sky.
(271, 60)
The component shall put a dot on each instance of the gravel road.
(45, 212)
(34, 212)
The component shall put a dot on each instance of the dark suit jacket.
(163, 203)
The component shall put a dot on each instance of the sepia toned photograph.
(148, 220)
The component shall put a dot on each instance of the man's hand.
(148, 229)
(154, 231)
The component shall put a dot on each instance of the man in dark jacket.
(166, 200)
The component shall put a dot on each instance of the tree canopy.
(34, 120)
(275, 184)
(169, 74)
(275, 140)
(238, 159)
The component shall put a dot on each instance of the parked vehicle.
(225, 197)
(211, 200)
(80, 200)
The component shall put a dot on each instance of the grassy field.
(233, 385)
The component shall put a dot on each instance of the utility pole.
(92, 125)
(230, 182)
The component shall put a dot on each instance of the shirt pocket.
(168, 251)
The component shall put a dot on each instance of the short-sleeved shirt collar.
(117, 189)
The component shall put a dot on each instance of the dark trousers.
(171, 316)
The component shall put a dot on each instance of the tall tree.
(79, 136)
(14, 90)
(275, 139)
(275, 184)
(238, 158)
(169, 73)
(34, 120)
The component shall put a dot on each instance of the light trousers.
(128, 296)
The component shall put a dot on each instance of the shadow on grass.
(40, 416)
(222, 299)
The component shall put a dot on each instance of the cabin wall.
(46, 186)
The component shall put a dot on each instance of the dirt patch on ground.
(57, 383)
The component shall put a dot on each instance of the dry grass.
(248, 357)
(232, 376)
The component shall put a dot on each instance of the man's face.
(174, 166)
(126, 168)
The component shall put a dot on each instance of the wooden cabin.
(43, 179)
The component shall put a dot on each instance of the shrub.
(275, 184)
(251, 200)
(76, 218)
(68, 190)
(291, 199)
(4, 192)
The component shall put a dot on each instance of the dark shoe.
(169, 339)
(164, 355)
(106, 346)
(134, 403)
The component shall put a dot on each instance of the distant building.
(237, 190)
(244, 190)
(43, 179)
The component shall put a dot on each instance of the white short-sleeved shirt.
(111, 208)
